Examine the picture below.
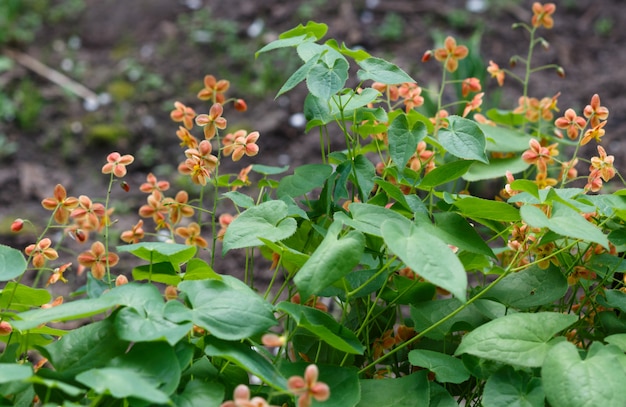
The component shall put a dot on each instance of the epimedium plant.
(390, 283)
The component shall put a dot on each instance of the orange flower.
(196, 169)
(595, 112)
(178, 207)
(594, 182)
(213, 89)
(595, 133)
(184, 114)
(191, 234)
(61, 204)
(241, 398)
(308, 387)
(543, 181)
(568, 169)
(496, 72)
(152, 185)
(225, 219)
(88, 213)
(477, 100)
(135, 235)
(154, 208)
(603, 165)
(539, 155)
(98, 259)
(470, 85)
(203, 152)
(239, 144)
(41, 252)
(212, 121)
(186, 139)
(243, 178)
(571, 122)
(116, 164)
(58, 274)
(542, 15)
(450, 54)
(411, 94)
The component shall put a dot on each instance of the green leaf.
(299, 75)
(506, 117)
(21, 297)
(128, 294)
(269, 170)
(464, 139)
(513, 388)
(158, 252)
(531, 287)
(403, 138)
(454, 229)
(158, 273)
(379, 70)
(198, 269)
(88, 347)
(332, 260)
(268, 220)
(566, 222)
(284, 43)
(239, 199)
(10, 372)
(323, 326)
(149, 323)
(121, 383)
(503, 139)
(406, 391)
(618, 340)
(427, 256)
(248, 359)
(344, 105)
(324, 80)
(304, 179)
(368, 218)
(229, 310)
(316, 30)
(156, 362)
(479, 208)
(365, 173)
(447, 369)
(316, 112)
(516, 339)
(598, 380)
(198, 393)
(496, 168)
(445, 173)
(357, 55)
(12, 263)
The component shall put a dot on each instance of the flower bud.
(121, 280)
(560, 71)
(171, 292)
(240, 105)
(124, 185)
(513, 62)
(427, 55)
(545, 44)
(17, 225)
(5, 328)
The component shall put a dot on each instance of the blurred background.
(82, 78)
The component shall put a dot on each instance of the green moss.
(121, 90)
(107, 133)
